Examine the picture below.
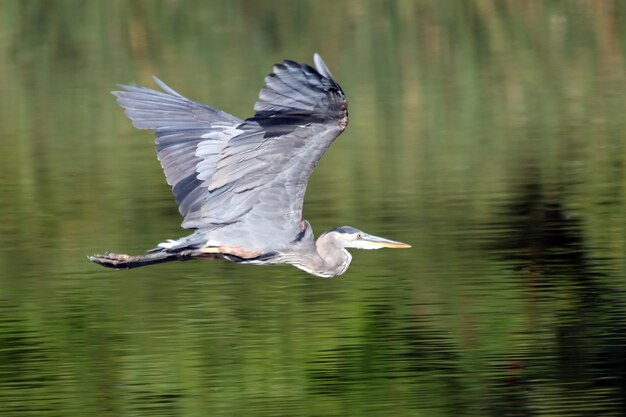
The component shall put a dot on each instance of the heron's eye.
(359, 235)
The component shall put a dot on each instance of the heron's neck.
(333, 259)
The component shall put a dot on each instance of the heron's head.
(350, 237)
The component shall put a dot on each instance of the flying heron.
(240, 184)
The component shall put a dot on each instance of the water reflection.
(574, 316)
(489, 135)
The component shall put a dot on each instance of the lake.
(489, 135)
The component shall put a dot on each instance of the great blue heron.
(240, 183)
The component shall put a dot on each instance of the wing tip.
(321, 67)
(130, 88)
(165, 87)
(126, 87)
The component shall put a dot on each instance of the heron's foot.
(111, 260)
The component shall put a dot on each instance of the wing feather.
(244, 180)
(262, 173)
(188, 135)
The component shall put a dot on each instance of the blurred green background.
(488, 134)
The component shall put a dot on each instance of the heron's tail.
(123, 261)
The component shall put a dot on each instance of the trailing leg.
(124, 261)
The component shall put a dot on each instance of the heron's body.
(240, 184)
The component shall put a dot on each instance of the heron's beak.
(375, 242)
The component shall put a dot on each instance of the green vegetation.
(489, 134)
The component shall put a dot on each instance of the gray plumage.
(241, 183)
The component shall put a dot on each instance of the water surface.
(489, 135)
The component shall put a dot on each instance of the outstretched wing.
(244, 179)
(262, 173)
(189, 135)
